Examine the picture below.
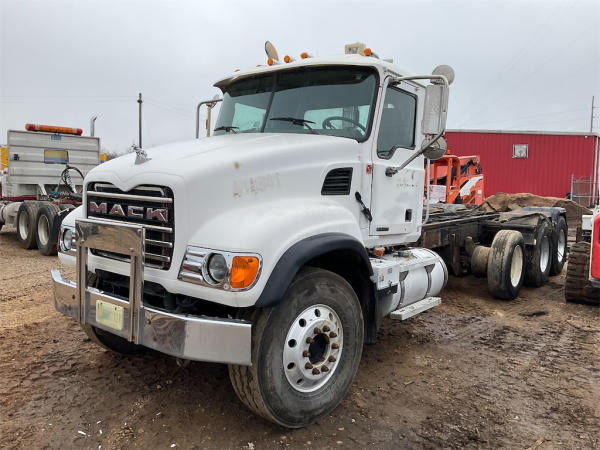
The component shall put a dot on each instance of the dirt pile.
(503, 202)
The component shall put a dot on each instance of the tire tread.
(578, 288)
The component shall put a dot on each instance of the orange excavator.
(456, 179)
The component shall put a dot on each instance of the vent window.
(337, 182)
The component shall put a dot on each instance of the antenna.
(140, 101)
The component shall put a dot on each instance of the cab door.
(397, 200)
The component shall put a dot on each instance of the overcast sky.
(519, 64)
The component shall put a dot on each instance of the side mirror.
(436, 102)
(435, 109)
(434, 115)
(436, 150)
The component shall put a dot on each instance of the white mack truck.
(279, 243)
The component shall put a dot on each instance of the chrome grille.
(107, 202)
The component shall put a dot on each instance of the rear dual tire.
(38, 225)
(47, 227)
(540, 262)
(26, 224)
(559, 246)
(506, 265)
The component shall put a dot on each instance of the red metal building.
(538, 162)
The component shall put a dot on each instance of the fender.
(299, 254)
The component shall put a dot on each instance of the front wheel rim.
(312, 348)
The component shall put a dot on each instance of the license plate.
(109, 315)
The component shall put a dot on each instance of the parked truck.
(278, 244)
(41, 181)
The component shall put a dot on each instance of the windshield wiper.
(302, 122)
(226, 128)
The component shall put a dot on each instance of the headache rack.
(136, 206)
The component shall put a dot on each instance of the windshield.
(335, 101)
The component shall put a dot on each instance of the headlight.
(221, 270)
(217, 268)
(67, 238)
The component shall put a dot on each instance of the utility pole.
(140, 101)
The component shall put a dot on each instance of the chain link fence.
(584, 191)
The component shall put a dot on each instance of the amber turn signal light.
(243, 271)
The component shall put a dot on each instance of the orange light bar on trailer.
(53, 129)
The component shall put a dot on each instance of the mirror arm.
(391, 171)
(210, 104)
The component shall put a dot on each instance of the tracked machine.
(582, 283)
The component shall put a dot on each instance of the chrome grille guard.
(198, 338)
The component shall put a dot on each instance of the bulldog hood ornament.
(140, 155)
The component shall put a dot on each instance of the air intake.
(337, 182)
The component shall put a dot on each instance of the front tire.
(305, 351)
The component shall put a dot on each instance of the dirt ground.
(473, 372)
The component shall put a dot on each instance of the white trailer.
(44, 177)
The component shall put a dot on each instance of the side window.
(397, 127)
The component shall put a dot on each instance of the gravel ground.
(473, 372)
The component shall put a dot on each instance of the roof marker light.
(367, 51)
(288, 59)
(305, 55)
(272, 62)
(53, 129)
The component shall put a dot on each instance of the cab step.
(415, 308)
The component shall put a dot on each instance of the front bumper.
(182, 336)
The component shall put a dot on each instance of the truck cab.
(277, 244)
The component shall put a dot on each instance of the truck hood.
(230, 154)
(231, 182)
